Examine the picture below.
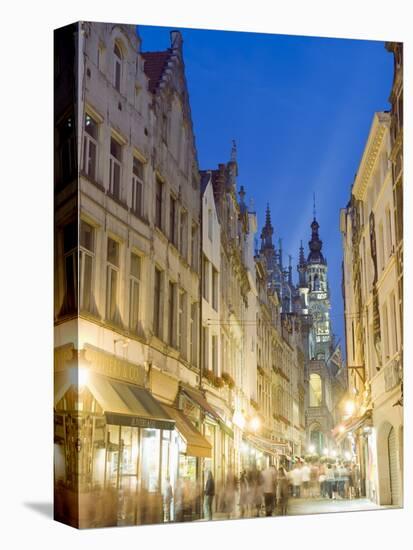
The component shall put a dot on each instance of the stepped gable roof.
(154, 66)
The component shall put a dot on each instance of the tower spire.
(314, 210)
(267, 231)
(234, 151)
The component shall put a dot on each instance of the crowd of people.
(256, 492)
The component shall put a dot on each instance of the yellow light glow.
(83, 377)
(255, 424)
(325, 451)
(239, 420)
(349, 407)
(311, 448)
(341, 429)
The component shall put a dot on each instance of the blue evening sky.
(300, 110)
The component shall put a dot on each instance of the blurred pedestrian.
(268, 489)
(314, 486)
(179, 500)
(243, 493)
(282, 491)
(330, 481)
(305, 479)
(167, 500)
(209, 494)
(296, 479)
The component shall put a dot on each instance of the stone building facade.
(373, 318)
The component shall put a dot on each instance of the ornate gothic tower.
(318, 297)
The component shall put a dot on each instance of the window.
(388, 228)
(214, 352)
(205, 347)
(381, 246)
(70, 268)
(86, 258)
(316, 392)
(67, 150)
(386, 348)
(115, 168)
(181, 339)
(215, 289)
(137, 187)
(117, 67)
(158, 203)
(183, 234)
(90, 145)
(99, 57)
(134, 290)
(193, 335)
(210, 225)
(112, 280)
(172, 219)
(157, 303)
(394, 321)
(164, 129)
(171, 313)
(194, 246)
(205, 280)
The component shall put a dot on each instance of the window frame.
(112, 268)
(88, 141)
(90, 254)
(115, 162)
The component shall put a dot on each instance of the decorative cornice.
(381, 123)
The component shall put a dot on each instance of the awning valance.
(196, 443)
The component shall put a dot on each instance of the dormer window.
(117, 68)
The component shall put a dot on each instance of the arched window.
(117, 67)
(316, 390)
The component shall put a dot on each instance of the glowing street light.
(334, 454)
(311, 448)
(341, 429)
(255, 424)
(349, 407)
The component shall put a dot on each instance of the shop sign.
(114, 367)
(391, 376)
(137, 422)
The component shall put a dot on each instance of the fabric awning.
(196, 443)
(352, 424)
(263, 444)
(123, 404)
(200, 400)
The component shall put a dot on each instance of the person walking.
(282, 491)
(268, 489)
(243, 493)
(330, 481)
(314, 473)
(167, 500)
(296, 480)
(305, 479)
(209, 494)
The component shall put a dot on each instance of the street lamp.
(255, 424)
(349, 407)
(325, 451)
(311, 448)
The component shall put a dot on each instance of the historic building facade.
(133, 283)
(373, 319)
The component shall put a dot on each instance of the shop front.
(115, 450)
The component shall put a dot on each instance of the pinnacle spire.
(314, 210)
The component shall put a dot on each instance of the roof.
(154, 66)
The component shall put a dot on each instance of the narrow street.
(298, 507)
